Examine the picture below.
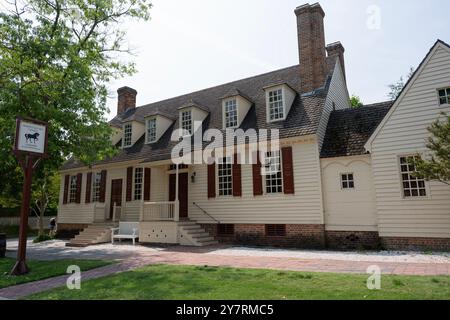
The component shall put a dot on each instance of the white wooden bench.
(126, 230)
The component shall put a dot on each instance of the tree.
(45, 195)
(356, 102)
(56, 59)
(437, 168)
(397, 87)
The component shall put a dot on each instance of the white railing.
(117, 213)
(160, 211)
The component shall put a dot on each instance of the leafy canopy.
(56, 59)
(438, 166)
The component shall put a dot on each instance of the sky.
(192, 45)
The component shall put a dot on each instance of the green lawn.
(189, 282)
(43, 269)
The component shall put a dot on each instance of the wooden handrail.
(206, 213)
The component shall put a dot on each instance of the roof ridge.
(219, 86)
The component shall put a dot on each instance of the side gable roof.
(303, 118)
(349, 129)
(409, 83)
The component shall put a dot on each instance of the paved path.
(133, 257)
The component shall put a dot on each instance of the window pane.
(276, 105)
(412, 186)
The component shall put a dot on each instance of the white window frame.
(228, 190)
(447, 96)
(125, 133)
(348, 181)
(411, 179)
(226, 113)
(73, 189)
(279, 91)
(147, 130)
(273, 168)
(138, 185)
(185, 123)
(96, 185)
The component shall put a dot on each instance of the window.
(347, 181)
(182, 166)
(275, 230)
(151, 130)
(138, 183)
(412, 186)
(274, 180)
(96, 187)
(444, 96)
(276, 105)
(231, 120)
(127, 130)
(186, 121)
(225, 229)
(73, 189)
(225, 173)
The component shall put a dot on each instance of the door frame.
(180, 174)
(111, 203)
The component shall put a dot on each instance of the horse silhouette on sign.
(34, 137)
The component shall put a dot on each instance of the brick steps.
(93, 234)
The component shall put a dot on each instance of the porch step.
(193, 234)
(93, 234)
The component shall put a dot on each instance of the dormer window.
(127, 134)
(444, 96)
(231, 113)
(186, 122)
(276, 105)
(151, 130)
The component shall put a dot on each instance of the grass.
(200, 283)
(43, 269)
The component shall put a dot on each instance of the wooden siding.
(337, 94)
(303, 207)
(405, 132)
(349, 210)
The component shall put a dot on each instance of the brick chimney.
(336, 51)
(126, 100)
(311, 46)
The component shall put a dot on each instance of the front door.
(116, 195)
(182, 192)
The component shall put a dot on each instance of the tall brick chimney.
(336, 51)
(311, 46)
(126, 100)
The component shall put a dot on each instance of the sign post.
(30, 147)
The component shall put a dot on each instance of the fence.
(33, 222)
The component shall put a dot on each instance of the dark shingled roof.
(348, 130)
(302, 119)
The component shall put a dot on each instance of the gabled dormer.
(235, 107)
(156, 124)
(131, 132)
(191, 116)
(279, 99)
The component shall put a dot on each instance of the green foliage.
(42, 238)
(356, 102)
(396, 88)
(56, 59)
(438, 166)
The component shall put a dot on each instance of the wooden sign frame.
(28, 161)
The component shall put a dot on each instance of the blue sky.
(196, 44)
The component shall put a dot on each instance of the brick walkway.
(199, 256)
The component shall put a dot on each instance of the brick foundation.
(353, 240)
(69, 230)
(297, 236)
(398, 243)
